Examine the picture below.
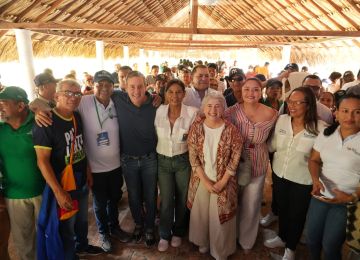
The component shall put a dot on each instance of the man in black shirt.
(57, 146)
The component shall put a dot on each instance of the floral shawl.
(227, 158)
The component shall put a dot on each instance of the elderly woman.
(254, 121)
(214, 152)
(172, 123)
(334, 166)
(292, 142)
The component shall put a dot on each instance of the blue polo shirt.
(136, 125)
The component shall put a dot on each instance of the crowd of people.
(198, 142)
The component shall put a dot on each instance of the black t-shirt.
(58, 137)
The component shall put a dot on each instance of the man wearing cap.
(236, 80)
(294, 78)
(102, 146)
(200, 79)
(22, 179)
(46, 87)
(273, 94)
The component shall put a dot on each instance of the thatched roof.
(70, 27)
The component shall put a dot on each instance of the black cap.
(103, 75)
(273, 83)
(44, 78)
(160, 77)
(236, 72)
(292, 66)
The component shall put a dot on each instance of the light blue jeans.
(326, 229)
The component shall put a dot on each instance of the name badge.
(103, 139)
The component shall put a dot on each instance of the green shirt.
(22, 177)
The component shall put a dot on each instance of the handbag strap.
(73, 141)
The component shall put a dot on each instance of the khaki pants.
(4, 230)
(205, 228)
(23, 215)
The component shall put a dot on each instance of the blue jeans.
(107, 193)
(174, 176)
(140, 174)
(326, 227)
(74, 230)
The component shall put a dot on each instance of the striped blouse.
(255, 136)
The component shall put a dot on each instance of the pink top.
(255, 136)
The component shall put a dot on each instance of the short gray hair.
(69, 82)
(213, 95)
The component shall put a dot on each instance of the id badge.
(103, 139)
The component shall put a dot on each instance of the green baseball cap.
(14, 93)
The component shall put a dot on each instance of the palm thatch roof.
(70, 27)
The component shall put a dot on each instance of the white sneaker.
(163, 245)
(175, 241)
(274, 242)
(289, 254)
(268, 219)
(203, 249)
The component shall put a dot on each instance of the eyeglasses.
(69, 93)
(295, 103)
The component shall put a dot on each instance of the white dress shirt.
(292, 152)
(192, 97)
(171, 143)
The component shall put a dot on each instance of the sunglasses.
(68, 93)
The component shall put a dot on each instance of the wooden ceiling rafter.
(344, 16)
(48, 11)
(354, 6)
(26, 10)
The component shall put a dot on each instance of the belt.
(138, 157)
(173, 157)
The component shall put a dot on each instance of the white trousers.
(205, 229)
(23, 214)
(249, 211)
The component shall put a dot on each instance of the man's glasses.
(69, 93)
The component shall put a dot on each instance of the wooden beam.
(173, 30)
(194, 15)
(323, 11)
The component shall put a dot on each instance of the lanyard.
(97, 113)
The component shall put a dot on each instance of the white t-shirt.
(175, 142)
(350, 84)
(211, 142)
(341, 162)
(103, 158)
(292, 152)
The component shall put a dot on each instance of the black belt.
(173, 157)
(134, 157)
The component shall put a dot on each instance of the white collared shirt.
(192, 97)
(341, 162)
(292, 152)
(101, 158)
(175, 142)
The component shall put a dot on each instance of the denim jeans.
(74, 230)
(326, 227)
(141, 176)
(174, 176)
(107, 193)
